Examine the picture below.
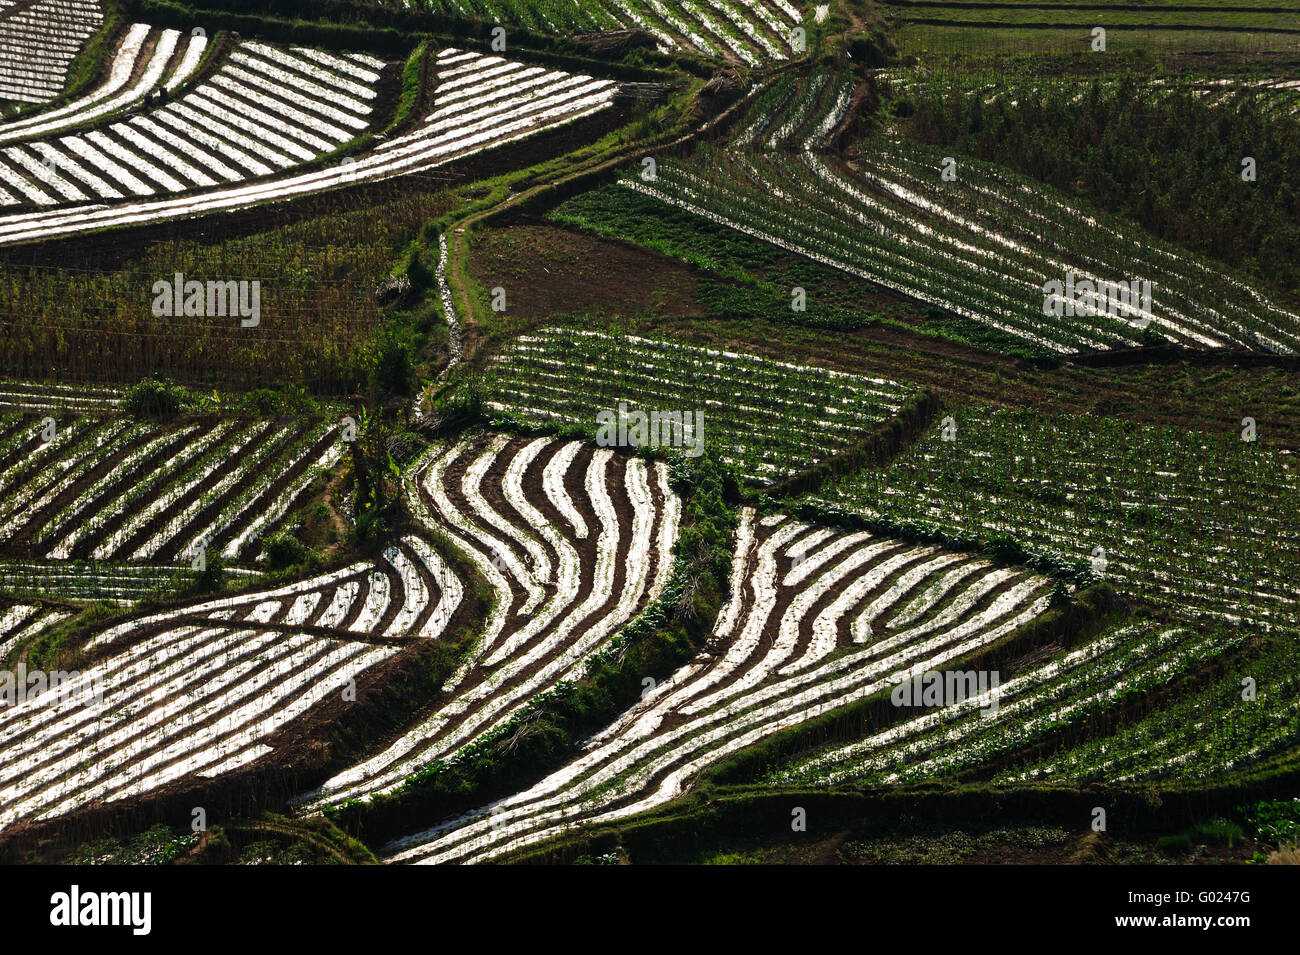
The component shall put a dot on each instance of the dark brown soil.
(547, 271)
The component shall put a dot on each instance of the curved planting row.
(575, 542)
(817, 619)
(1200, 524)
(412, 594)
(199, 690)
(1024, 711)
(482, 102)
(984, 245)
(765, 418)
(146, 60)
(38, 42)
(20, 622)
(109, 488)
(265, 110)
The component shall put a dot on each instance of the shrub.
(283, 550)
(1275, 821)
(286, 399)
(157, 399)
(395, 363)
(212, 577)
(418, 272)
(468, 398)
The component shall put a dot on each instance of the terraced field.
(313, 667)
(747, 31)
(1028, 710)
(38, 42)
(982, 246)
(846, 344)
(766, 419)
(199, 691)
(575, 542)
(816, 620)
(107, 488)
(482, 102)
(1201, 735)
(146, 60)
(265, 110)
(1198, 524)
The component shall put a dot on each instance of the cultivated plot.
(765, 418)
(746, 31)
(265, 110)
(984, 244)
(110, 488)
(1237, 720)
(575, 542)
(1055, 700)
(198, 691)
(1202, 525)
(817, 619)
(481, 102)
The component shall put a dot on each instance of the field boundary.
(890, 439)
(1169, 354)
(711, 818)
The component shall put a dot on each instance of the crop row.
(765, 418)
(107, 488)
(199, 690)
(817, 618)
(1201, 524)
(574, 541)
(486, 102)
